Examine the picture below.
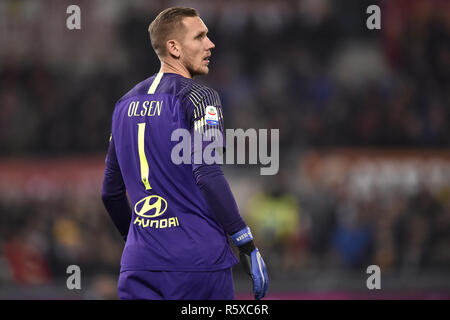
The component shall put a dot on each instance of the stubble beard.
(200, 71)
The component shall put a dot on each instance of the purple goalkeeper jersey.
(172, 227)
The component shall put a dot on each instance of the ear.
(173, 48)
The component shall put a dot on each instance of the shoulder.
(198, 94)
(185, 89)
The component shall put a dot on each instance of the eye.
(200, 36)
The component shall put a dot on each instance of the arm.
(218, 195)
(114, 193)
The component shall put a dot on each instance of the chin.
(205, 71)
(200, 71)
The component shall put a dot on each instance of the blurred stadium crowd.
(310, 68)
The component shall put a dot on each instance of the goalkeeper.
(181, 214)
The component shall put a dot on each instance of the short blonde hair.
(165, 24)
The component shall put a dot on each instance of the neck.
(174, 67)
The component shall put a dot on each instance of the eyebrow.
(201, 33)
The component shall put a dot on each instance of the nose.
(211, 45)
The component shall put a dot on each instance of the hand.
(255, 267)
(252, 261)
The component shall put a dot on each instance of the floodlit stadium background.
(364, 141)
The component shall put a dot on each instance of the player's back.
(172, 227)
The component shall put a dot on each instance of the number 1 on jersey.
(142, 158)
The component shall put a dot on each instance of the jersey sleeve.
(204, 115)
(205, 120)
(114, 192)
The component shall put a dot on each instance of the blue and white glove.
(252, 261)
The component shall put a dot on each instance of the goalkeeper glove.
(252, 261)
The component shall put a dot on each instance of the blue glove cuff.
(242, 237)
